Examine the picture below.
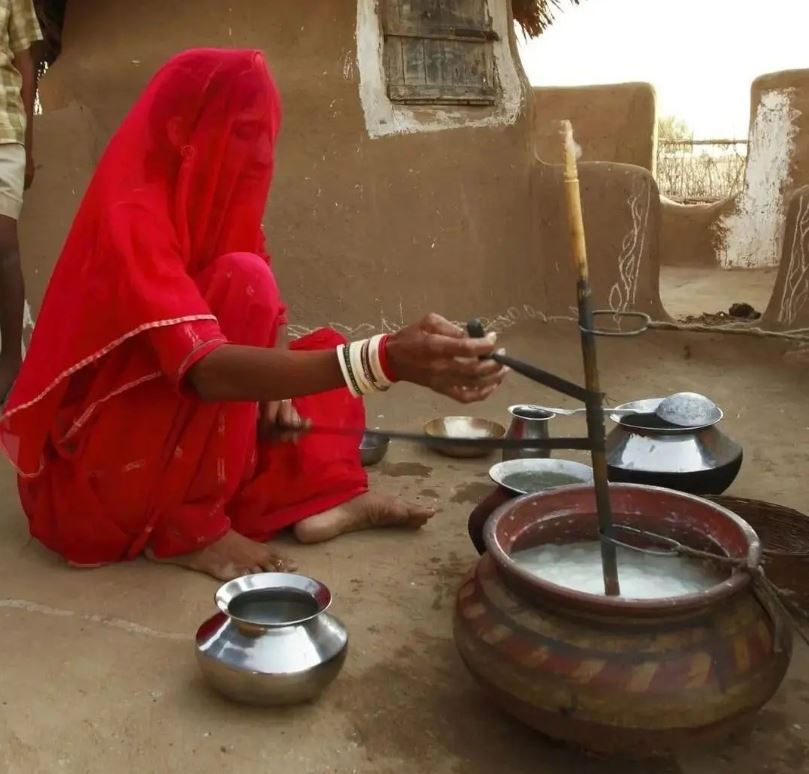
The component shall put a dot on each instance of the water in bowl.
(531, 481)
(463, 428)
(273, 607)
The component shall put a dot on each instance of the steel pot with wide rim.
(644, 449)
(272, 643)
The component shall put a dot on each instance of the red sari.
(163, 264)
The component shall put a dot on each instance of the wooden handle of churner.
(595, 414)
(575, 219)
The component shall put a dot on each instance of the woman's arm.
(236, 373)
(433, 353)
(276, 413)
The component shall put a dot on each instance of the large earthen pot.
(610, 674)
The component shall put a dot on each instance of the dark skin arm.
(278, 413)
(237, 373)
(12, 302)
(433, 353)
(26, 63)
(12, 286)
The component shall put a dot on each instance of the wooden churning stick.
(595, 399)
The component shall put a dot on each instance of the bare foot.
(232, 556)
(367, 511)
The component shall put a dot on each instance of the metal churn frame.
(591, 394)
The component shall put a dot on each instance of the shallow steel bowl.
(499, 473)
(464, 427)
(373, 449)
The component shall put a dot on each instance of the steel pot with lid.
(644, 449)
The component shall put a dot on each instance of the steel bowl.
(464, 427)
(373, 449)
(272, 643)
(500, 473)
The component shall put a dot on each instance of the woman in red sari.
(160, 350)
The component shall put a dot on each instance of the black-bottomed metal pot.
(644, 449)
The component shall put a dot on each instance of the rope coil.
(766, 592)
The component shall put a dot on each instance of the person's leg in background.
(12, 286)
(22, 52)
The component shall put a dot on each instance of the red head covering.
(184, 180)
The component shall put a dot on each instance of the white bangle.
(361, 367)
(361, 374)
(344, 368)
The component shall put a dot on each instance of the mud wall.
(615, 123)
(748, 230)
(789, 305)
(363, 231)
(751, 234)
(620, 204)
(690, 237)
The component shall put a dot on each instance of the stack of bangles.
(365, 366)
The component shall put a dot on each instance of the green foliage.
(673, 129)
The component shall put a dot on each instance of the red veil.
(184, 180)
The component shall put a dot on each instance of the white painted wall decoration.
(384, 118)
(623, 293)
(751, 236)
(795, 294)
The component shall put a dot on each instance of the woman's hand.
(437, 354)
(280, 421)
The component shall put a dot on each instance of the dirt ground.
(99, 672)
(686, 290)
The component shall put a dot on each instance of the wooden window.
(439, 52)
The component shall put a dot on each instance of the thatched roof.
(532, 15)
(535, 15)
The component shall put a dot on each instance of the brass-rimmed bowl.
(464, 427)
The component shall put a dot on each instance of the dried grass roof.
(533, 16)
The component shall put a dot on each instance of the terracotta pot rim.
(735, 583)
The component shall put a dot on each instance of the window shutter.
(439, 52)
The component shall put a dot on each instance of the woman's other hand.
(435, 353)
(280, 421)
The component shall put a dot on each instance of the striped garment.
(19, 30)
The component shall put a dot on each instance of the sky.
(701, 55)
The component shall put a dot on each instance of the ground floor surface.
(98, 671)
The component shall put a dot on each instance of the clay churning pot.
(621, 675)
